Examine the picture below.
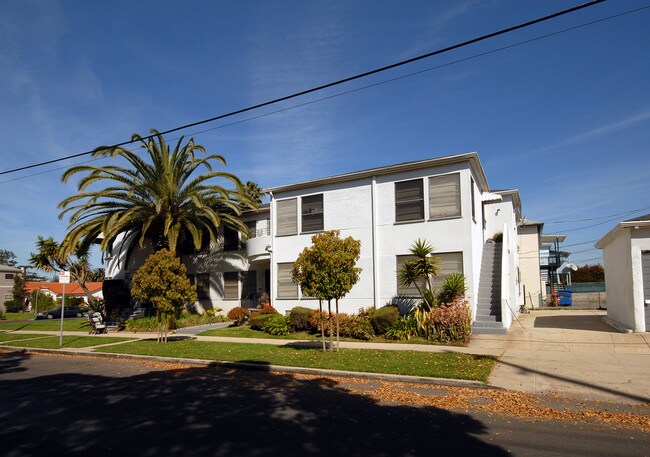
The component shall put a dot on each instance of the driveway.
(572, 353)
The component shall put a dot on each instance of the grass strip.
(18, 336)
(70, 325)
(449, 365)
(17, 317)
(69, 341)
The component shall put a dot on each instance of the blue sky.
(565, 119)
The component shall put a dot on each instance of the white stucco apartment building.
(445, 200)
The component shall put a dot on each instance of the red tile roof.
(57, 287)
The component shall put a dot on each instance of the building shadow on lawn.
(218, 411)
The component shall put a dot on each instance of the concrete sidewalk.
(572, 353)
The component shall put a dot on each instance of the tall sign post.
(64, 278)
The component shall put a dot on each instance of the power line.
(328, 85)
(625, 213)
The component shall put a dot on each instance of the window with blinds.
(287, 217)
(450, 262)
(312, 213)
(407, 291)
(444, 196)
(286, 287)
(409, 201)
(231, 285)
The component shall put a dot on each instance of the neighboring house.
(551, 259)
(626, 253)
(55, 289)
(445, 200)
(7, 275)
(529, 235)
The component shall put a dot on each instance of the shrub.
(358, 327)
(277, 324)
(405, 328)
(268, 309)
(498, 237)
(258, 320)
(447, 324)
(318, 319)
(452, 287)
(70, 301)
(12, 306)
(384, 318)
(142, 324)
(299, 317)
(191, 320)
(45, 301)
(239, 315)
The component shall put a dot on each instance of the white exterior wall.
(619, 279)
(528, 242)
(639, 241)
(348, 207)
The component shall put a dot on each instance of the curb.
(265, 368)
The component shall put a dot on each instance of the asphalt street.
(61, 405)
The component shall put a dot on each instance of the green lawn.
(443, 365)
(247, 332)
(18, 336)
(69, 341)
(70, 324)
(17, 317)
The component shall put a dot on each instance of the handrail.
(505, 270)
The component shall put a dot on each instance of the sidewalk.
(569, 352)
(572, 353)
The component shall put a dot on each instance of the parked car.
(70, 311)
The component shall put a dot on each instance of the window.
(287, 218)
(249, 285)
(9, 276)
(252, 229)
(230, 239)
(450, 262)
(286, 287)
(202, 282)
(471, 182)
(312, 213)
(444, 196)
(410, 291)
(409, 201)
(231, 285)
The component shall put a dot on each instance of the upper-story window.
(471, 182)
(287, 217)
(409, 201)
(312, 213)
(444, 196)
(230, 239)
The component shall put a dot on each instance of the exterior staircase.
(488, 307)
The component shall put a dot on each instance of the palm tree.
(161, 200)
(420, 270)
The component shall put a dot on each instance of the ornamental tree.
(162, 282)
(327, 271)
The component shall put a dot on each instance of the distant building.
(7, 275)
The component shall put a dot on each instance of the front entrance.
(645, 274)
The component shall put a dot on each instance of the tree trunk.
(337, 326)
(159, 335)
(322, 326)
(329, 311)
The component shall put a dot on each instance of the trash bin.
(566, 297)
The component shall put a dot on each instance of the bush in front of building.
(258, 320)
(299, 317)
(239, 315)
(384, 318)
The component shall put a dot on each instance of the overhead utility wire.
(332, 84)
(625, 213)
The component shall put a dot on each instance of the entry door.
(645, 270)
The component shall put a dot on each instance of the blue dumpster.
(566, 297)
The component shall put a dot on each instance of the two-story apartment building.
(444, 200)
